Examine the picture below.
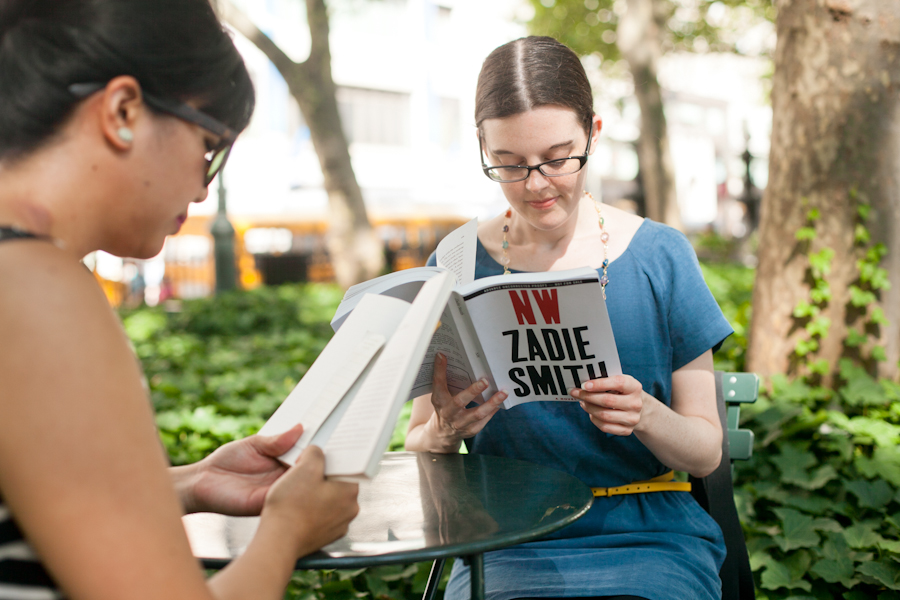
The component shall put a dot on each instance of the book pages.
(456, 252)
(356, 446)
(402, 284)
(336, 370)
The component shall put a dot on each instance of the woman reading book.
(537, 130)
(114, 117)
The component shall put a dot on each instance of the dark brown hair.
(176, 49)
(531, 72)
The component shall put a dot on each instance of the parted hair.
(531, 72)
(176, 49)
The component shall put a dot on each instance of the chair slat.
(740, 387)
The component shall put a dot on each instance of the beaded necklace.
(604, 238)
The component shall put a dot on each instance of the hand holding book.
(452, 422)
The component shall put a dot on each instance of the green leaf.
(861, 235)
(891, 390)
(863, 211)
(143, 325)
(805, 234)
(820, 262)
(797, 530)
(860, 298)
(861, 389)
(759, 560)
(872, 274)
(861, 535)
(871, 494)
(804, 309)
(876, 253)
(886, 573)
(828, 525)
(813, 214)
(821, 292)
(834, 571)
(884, 463)
(877, 316)
(793, 459)
(879, 353)
(856, 595)
(777, 575)
(815, 505)
(805, 347)
(377, 586)
(867, 430)
(820, 366)
(819, 327)
(855, 338)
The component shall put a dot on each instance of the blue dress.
(659, 545)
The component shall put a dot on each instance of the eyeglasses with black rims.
(215, 156)
(551, 168)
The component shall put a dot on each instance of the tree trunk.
(355, 251)
(639, 41)
(835, 143)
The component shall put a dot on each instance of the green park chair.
(715, 492)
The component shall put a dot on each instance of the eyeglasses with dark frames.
(215, 157)
(558, 167)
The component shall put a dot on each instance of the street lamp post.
(750, 196)
(223, 244)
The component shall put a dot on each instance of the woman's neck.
(582, 223)
(36, 196)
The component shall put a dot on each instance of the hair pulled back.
(176, 49)
(531, 72)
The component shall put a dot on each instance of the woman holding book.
(114, 117)
(537, 129)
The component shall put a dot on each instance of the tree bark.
(639, 41)
(354, 249)
(836, 128)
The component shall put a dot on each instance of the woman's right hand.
(452, 422)
(314, 510)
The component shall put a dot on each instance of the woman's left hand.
(235, 478)
(614, 403)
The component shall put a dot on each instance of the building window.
(374, 116)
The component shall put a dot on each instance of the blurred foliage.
(732, 286)
(218, 367)
(400, 582)
(819, 498)
(589, 26)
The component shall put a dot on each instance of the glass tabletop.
(424, 506)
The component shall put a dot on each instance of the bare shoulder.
(46, 291)
(77, 435)
(623, 223)
(622, 226)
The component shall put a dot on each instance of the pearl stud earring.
(125, 134)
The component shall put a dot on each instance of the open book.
(350, 398)
(534, 335)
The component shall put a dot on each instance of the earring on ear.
(125, 134)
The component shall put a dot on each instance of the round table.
(423, 506)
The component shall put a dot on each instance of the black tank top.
(21, 573)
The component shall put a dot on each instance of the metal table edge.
(315, 561)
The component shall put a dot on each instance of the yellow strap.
(663, 483)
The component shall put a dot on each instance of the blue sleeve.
(696, 323)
